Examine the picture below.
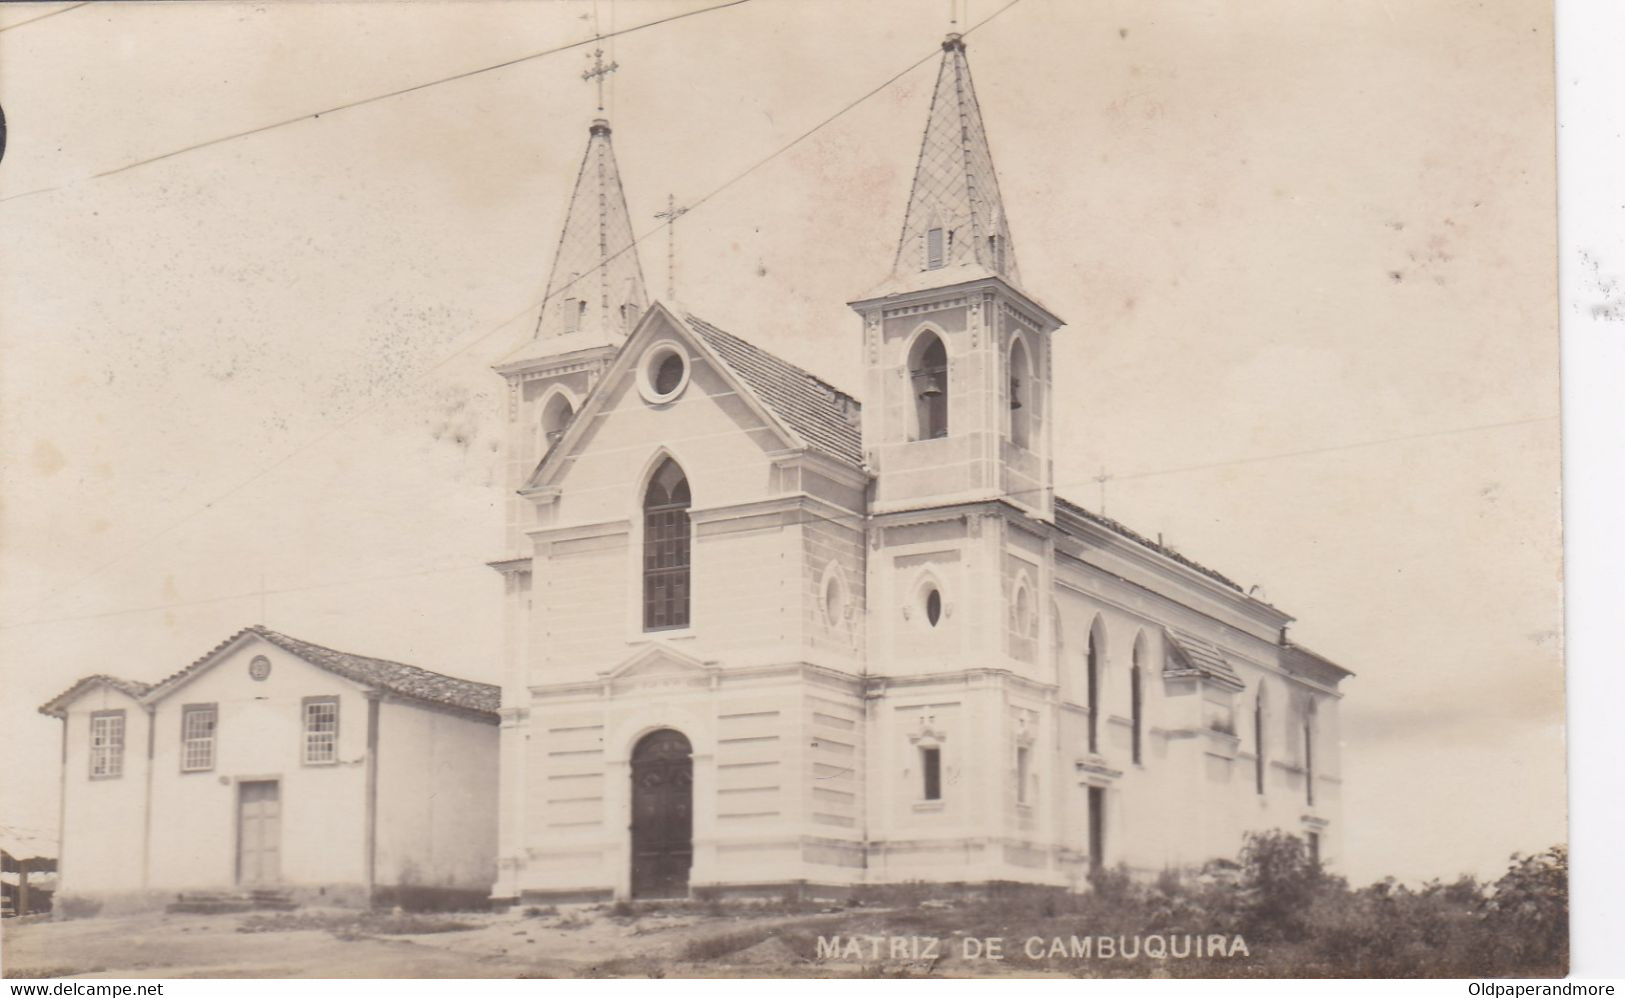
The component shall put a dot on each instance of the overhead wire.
(527, 310)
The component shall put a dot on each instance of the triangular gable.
(208, 660)
(659, 659)
(408, 681)
(658, 321)
(57, 706)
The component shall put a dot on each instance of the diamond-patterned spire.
(596, 287)
(955, 215)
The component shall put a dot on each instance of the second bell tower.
(956, 354)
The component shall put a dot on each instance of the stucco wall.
(260, 736)
(437, 798)
(103, 819)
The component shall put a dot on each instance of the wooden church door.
(662, 815)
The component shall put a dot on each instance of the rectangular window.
(1097, 829)
(107, 744)
(321, 730)
(197, 737)
(931, 772)
(665, 568)
(1023, 775)
(933, 249)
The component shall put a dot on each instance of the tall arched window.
(666, 549)
(928, 379)
(1309, 754)
(1136, 696)
(1092, 685)
(1258, 742)
(1020, 392)
(555, 417)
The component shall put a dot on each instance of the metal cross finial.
(1102, 479)
(598, 72)
(671, 215)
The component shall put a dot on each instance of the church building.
(762, 636)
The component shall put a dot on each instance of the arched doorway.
(662, 815)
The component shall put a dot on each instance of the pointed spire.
(596, 287)
(955, 215)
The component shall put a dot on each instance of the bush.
(1278, 883)
(1528, 909)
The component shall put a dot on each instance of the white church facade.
(760, 636)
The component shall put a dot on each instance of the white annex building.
(274, 766)
(756, 639)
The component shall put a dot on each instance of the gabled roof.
(379, 674)
(825, 417)
(1067, 505)
(393, 677)
(597, 260)
(1192, 656)
(57, 706)
(955, 186)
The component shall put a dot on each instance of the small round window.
(664, 374)
(933, 606)
(834, 600)
(1023, 611)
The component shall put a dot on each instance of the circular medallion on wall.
(259, 668)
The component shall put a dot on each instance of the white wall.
(437, 798)
(260, 737)
(103, 819)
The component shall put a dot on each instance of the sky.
(1305, 251)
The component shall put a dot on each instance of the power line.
(313, 115)
(459, 351)
(257, 594)
(33, 20)
(850, 519)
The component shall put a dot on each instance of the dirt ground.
(334, 943)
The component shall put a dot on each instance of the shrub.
(1528, 909)
(1278, 882)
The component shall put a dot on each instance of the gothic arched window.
(1021, 379)
(928, 379)
(666, 549)
(1258, 742)
(1092, 658)
(1136, 697)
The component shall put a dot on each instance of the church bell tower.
(956, 353)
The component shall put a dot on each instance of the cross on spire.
(598, 72)
(670, 217)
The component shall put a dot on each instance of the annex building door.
(259, 832)
(662, 815)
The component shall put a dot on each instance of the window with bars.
(197, 737)
(107, 744)
(321, 730)
(666, 545)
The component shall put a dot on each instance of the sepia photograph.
(748, 488)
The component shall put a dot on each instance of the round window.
(664, 374)
(933, 606)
